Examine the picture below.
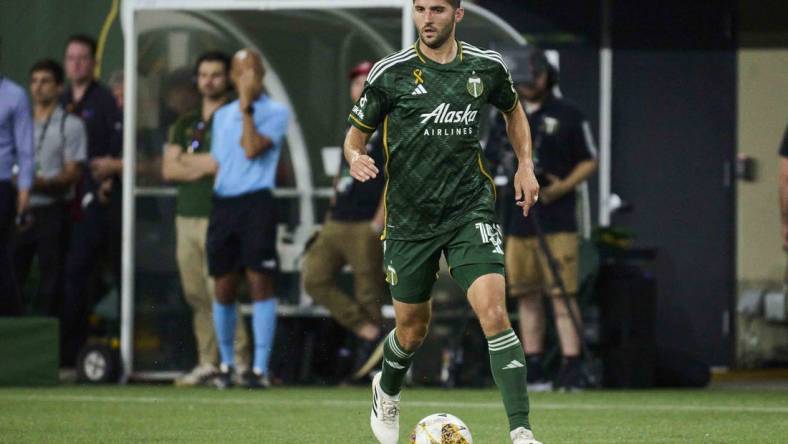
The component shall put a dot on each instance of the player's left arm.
(526, 188)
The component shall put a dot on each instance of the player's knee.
(494, 318)
(412, 336)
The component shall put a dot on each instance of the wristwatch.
(249, 110)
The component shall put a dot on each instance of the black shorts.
(242, 234)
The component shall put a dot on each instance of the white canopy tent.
(139, 15)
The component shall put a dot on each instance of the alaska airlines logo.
(443, 114)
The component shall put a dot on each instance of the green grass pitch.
(141, 413)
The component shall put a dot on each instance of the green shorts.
(471, 251)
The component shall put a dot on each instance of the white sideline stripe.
(365, 403)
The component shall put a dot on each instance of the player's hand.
(526, 188)
(555, 190)
(362, 167)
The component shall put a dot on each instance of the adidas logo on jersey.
(514, 364)
(419, 90)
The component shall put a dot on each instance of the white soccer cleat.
(384, 418)
(521, 435)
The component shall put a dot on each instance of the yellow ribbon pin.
(418, 75)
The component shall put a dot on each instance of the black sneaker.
(570, 377)
(368, 355)
(253, 380)
(536, 378)
(224, 377)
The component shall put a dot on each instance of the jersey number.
(491, 234)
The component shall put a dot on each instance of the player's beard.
(440, 37)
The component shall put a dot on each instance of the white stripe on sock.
(396, 349)
(502, 339)
(512, 343)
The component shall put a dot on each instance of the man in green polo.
(187, 161)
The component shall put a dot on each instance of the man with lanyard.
(564, 157)
(187, 161)
(94, 229)
(439, 199)
(350, 235)
(17, 163)
(61, 144)
(247, 139)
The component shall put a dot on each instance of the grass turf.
(140, 413)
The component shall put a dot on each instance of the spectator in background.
(247, 140)
(784, 191)
(350, 235)
(187, 161)
(61, 145)
(16, 150)
(564, 157)
(96, 232)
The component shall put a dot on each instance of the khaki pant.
(198, 291)
(356, 244)
(527, 269)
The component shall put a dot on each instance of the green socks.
(396, 362)
(507, 362)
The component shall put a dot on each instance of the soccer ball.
(441, 428)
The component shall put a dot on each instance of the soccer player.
(439, 198)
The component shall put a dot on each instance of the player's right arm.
(362, 166)
(365, 116)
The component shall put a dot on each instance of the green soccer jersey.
(435, 176)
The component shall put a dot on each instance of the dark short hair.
(213, 56)
(454, 3)
(83, 39)
(50, 65)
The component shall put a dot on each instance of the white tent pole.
(408, 30)
(497, 21)
(129, 167)
(605, 115)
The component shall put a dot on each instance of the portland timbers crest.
(475, 86)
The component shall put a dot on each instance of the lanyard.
(43, 133)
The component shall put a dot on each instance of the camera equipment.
(592, 368)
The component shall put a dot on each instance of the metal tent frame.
(130, 31)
